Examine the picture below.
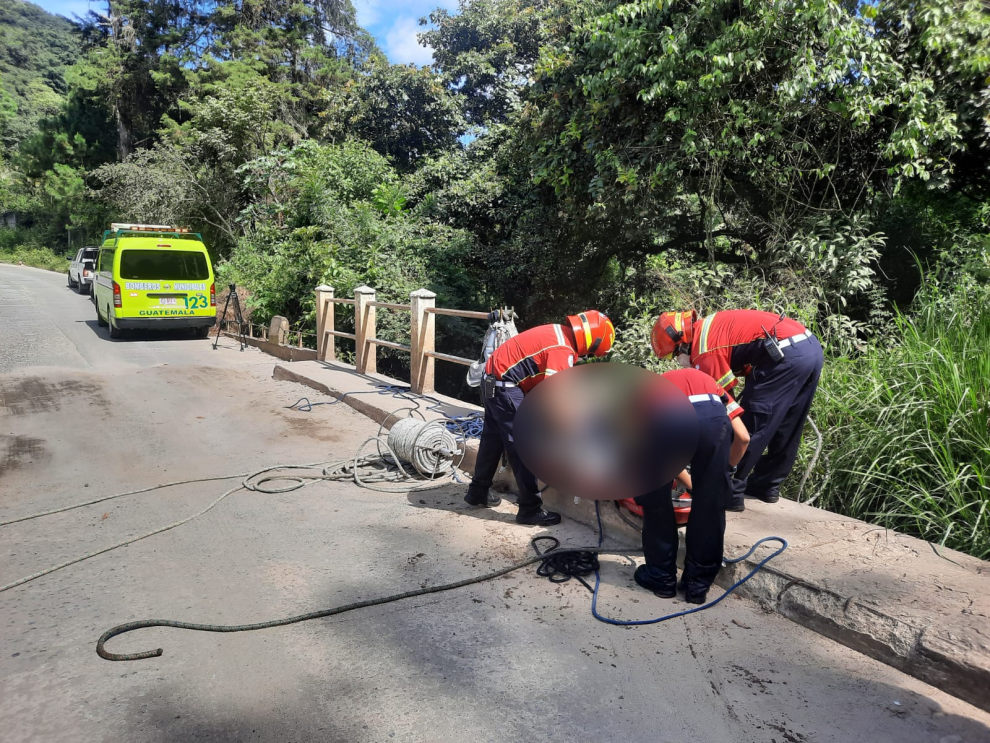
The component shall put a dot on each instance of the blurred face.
(683, 360)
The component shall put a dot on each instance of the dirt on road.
(512, 659)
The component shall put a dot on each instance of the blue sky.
(393, 22)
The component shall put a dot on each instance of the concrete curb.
(886, 595)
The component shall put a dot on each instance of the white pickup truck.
(82, 269)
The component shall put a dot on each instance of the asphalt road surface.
(514, 659)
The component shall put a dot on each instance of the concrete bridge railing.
(422, 311)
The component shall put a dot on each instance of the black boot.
(538, 518)
(771, 496)
(487, 499)
(736, 505)
(693, 593)
(662, 585)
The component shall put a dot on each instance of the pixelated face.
(606, 431)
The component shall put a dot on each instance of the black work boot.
(736, 505)
(771, 496)
(488, 499)
(538, 518)
(693, 593)
(662, 584)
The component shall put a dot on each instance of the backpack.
(502, 327)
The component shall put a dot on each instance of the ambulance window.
(106, 260)
(177, 265)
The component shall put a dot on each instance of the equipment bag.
(502, 327)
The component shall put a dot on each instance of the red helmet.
(593, 332)
(672, 329)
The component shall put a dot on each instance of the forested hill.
(36, 47)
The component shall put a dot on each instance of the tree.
(738, 129)
(405, 112)
(488, 50)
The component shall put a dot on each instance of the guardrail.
(422, 310)
(261, 332)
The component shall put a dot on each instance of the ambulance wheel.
(203, 332)
(99, 318)
(115, 332)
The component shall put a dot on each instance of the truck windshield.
(163, 264)
(90, 254)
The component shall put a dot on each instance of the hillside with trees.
(36, 50)
(830, 159)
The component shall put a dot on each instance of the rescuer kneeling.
(722, 441)
(515, 368)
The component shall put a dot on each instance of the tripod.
(232, 297)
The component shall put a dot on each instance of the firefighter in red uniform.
(782, 363)
(518, 365)
(722, 441)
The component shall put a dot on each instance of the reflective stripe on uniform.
(703, 397)
(703, 339)
(726, 378)
(794, 339)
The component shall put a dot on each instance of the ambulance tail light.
(213, 295)
(116, 294)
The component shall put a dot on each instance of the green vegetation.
(36, 49)
(906, 429)
(829, 158)
(36, 257)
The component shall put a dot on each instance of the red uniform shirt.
(727, 342)
(533, 355)
(694, 382)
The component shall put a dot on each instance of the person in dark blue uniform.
(514, 369)
(782, 363)
(722, 441)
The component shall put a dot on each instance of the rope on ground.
(382, 472)
(468, 426)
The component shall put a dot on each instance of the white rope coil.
(429, 447)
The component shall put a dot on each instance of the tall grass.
(907, 427)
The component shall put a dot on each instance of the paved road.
(512, 659)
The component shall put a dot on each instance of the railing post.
(325, 350)
(422, 338)
(364, 330)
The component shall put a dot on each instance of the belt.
(795, 339)
(704, 397)
(500, 383)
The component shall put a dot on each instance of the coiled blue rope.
(709, 605)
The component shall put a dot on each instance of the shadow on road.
(450, 498)
(180, 334)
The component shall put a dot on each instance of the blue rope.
(709, 605)
(469, 426)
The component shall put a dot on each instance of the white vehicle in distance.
(82, 268)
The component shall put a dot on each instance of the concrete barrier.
(921, 609)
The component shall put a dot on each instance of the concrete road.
(512, 659)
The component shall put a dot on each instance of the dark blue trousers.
(776, 403)
(496, 437)
(706, 525)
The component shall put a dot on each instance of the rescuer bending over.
(781, 362)
(515, 368)
(722, 441)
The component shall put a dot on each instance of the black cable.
(560, 566)
(541, 557)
